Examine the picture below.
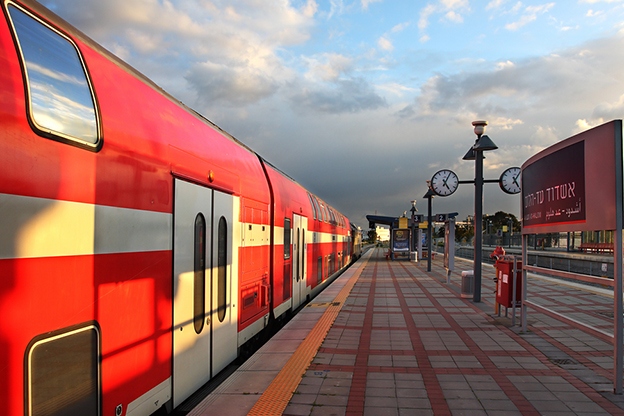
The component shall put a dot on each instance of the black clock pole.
(482, 144)
(478, 237)
(429, 196)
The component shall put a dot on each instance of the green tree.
(464, 231)
(372, 235)
(500, 219)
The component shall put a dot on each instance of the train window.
(318, 208)
(319, 269)
(287, 238)
(63, 373)
(313, 207)
(222, 269)
(303, 253)
(327, 263)
(61, 103)
(199, 278)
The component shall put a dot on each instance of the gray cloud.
(233, 86)
(342, 96)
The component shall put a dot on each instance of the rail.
(569, 275)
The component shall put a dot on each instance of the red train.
(141, 246)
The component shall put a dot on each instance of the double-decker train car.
(141, 247)
(311, 242)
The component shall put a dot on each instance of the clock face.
(510, 180)
(444, 182)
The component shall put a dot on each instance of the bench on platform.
(596, 247)
(425, 255)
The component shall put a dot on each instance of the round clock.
(444, 182)
(510, 180)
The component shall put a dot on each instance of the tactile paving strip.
(276, 397)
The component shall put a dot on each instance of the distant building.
(383, 234)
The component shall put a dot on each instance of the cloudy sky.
(362, 101)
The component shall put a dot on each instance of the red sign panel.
(554, 188)
(570, 186)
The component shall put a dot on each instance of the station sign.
(571, 186)
(555, 188)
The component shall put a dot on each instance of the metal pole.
(617, 262)
(478, 246)
(525, 259)
(513, 292)
(412, 238)
(429, 234)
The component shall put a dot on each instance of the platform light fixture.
(429, 196)
(413, 210)
(482, 144)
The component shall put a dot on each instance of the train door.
(224, 319)
(202, 249)
(299, 277)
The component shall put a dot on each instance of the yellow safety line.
(276, 397)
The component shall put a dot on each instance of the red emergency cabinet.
(504, 284)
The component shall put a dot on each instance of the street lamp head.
(470, 155)
(484, 143)
(479, 127)
(429, 194)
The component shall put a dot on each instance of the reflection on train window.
(319, 269)
(286, 238)
(318, 209)
(222, 268)
(327, 265)
(60, 98)
(199, 277)
(63, 374)
(313, 207)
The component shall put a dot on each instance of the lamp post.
(413, 239)
(429, 196)
(482, 144)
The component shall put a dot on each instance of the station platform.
(390, 338)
